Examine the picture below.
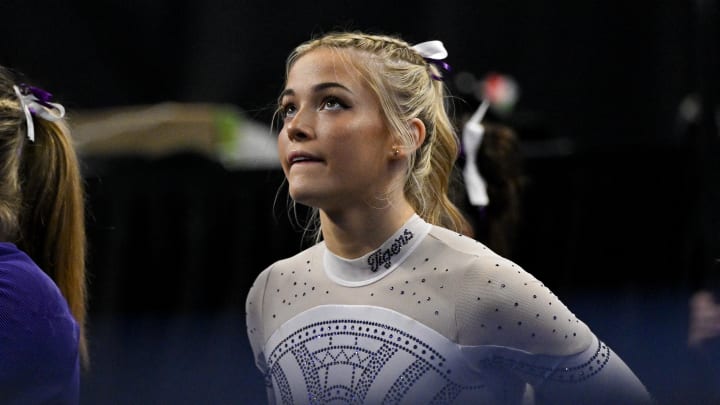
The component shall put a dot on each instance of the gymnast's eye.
(332, 103)
(287, 111)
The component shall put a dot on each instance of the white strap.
(472, 138)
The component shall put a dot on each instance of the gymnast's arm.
(255, 329)
(509, 319)
(596, 375)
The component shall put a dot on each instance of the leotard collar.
(379, 263)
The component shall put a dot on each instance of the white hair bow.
(36, 101)
(433, 52)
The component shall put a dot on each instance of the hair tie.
(36, 101)
(433, 52)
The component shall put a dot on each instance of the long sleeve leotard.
(431, 316)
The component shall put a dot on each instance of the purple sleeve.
(39, 360)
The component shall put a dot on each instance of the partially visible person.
(42, 250)
(704, 322)
(493, 184)
(394, 304)
(703, 342)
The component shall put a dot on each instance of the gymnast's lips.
(298, 157)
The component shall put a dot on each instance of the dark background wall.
(595, 70)
(616, 219)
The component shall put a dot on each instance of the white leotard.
(431, 316)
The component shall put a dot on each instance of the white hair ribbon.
(36, 101)
(431, 50)
(473, 132)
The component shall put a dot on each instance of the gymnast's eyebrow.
(317, 88)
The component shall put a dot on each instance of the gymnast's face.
(334, 145)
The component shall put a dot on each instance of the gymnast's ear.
(417, 127)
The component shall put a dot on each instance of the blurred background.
(172, 102)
